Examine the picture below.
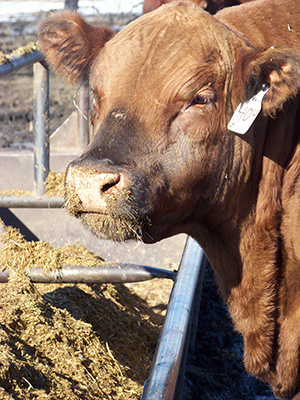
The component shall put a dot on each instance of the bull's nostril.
(106, 187)
(112, 181)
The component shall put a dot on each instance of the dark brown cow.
(163, 161)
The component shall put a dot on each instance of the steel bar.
(190, 340)
(167, 361)
(30, 201)
(83, 117)
(104, 273)
(41, 126)
(19, 62)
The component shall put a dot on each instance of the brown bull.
(163, 161)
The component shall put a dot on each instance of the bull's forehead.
(178, 45)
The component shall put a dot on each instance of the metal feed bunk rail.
(168, 366)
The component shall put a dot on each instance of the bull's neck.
(220, 231)
(251, 209)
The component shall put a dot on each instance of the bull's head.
(162, 93)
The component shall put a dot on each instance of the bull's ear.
(280, 69)
(70, 45)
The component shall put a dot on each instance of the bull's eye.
(201, 100)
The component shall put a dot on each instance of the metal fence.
(37, 198)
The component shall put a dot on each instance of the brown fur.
(164, 89)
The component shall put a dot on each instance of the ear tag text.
(246, 113)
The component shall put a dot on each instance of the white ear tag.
(245, 114)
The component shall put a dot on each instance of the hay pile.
(55, 184)
(69, 341)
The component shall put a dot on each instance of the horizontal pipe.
(29, 201)
(167, 362)
(18, 62)
(106, 273)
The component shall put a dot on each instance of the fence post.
(41, 126)
(83, 116)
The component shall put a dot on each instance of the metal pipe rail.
(17, 62)
(168, 364)
(169, 359)
(41, 127)
(30, 200)
(37, 198)
(104, 273)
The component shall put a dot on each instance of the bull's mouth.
(104, 226)
(116, 226)
(121, 216)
